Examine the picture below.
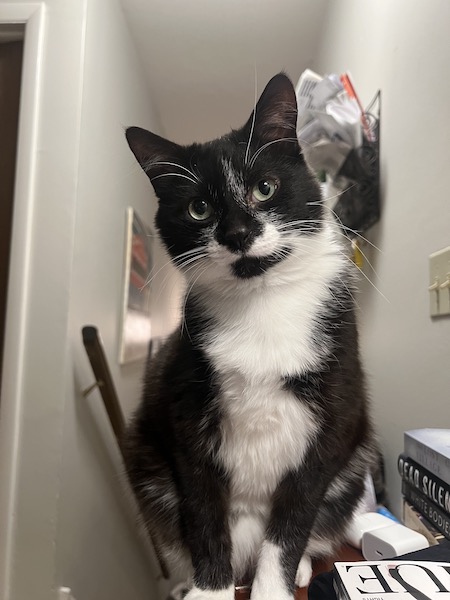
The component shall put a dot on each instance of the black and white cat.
(250, 448)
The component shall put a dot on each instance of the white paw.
(269, 580)
(270, 593)
(197, 594)
(304, 571)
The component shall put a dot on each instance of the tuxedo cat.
(249, 450)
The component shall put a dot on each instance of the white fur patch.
(265, 431)
(267, 243)
(304, 571)
(197, 594)
(337, 487)
(269, 582)
(319, 547)
(235, 181)
(266, 334)
(265, 326)
(247, 534)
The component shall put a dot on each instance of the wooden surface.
(346, 553)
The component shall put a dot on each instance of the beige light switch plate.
(439, 284)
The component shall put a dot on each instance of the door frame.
(38, 364)
(32, 15)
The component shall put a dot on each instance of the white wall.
(115, 94)
(402, 48)
(64, 515)
(203, 56)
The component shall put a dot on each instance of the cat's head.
(235, 207)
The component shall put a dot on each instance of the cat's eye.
(200, 210)
(264, 189)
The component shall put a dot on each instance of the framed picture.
(136, 321)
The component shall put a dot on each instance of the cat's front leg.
(282, 561)
(206, 532)
(211, 559)
(270, 579)
(209, 543)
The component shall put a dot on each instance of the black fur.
(173, 441)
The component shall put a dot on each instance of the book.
(392, 580)
(413, 519)
(430, 511)
(430, 448)
(426, 482)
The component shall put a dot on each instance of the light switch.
(439, 284)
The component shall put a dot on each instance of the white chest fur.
(261, 334)
(268, 327)
(265, 431)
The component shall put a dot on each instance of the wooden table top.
(346, 553)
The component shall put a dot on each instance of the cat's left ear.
(275, 115)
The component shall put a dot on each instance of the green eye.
(264, 190)
(200, 210)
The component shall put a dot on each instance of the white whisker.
(190, 261)
(258, 152)
(286, 228)
(366, 277)
(174, 261)
(186, 297)
(353, 231)
(189, 253)
(188, 265)
(173, 175)
(171, 164)
(253, 121)
(151, 277)
(290, 227)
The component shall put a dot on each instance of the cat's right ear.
(274, 118)
(155, 154)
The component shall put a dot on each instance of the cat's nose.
(237, 238)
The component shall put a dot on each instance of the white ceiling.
(200, 56)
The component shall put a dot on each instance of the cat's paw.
(304, 571)
(270, 592)
(269, 580)
(197, 594)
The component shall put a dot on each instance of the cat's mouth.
(253, 266)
